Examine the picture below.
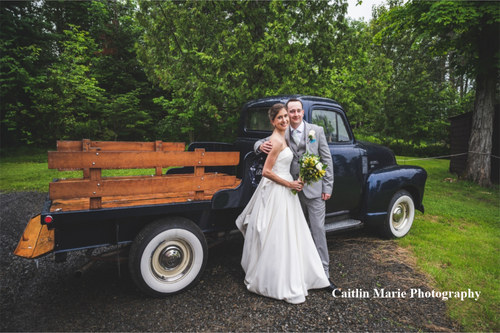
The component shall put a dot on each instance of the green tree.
(213, 56)
(470, 30)
(360, 76)
(62, 82)
(71, 95)
(130, 111)
(24, 57)
(422, 94)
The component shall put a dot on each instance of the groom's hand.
(325, 196)
(266, 147)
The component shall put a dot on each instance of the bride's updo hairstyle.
(274, 110)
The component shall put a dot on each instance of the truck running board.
(343, 225)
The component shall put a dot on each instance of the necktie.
(296, 137)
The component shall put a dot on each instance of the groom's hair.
(294, 100)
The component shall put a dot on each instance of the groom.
(301, 137)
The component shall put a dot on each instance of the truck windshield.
(332, 123)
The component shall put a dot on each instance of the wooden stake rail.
(87, 145)
(151, 185)
(133, 200)
(93, 156)
(138, 159)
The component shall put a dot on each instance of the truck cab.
(366, 175)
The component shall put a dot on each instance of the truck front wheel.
(168, 256)
(400, 215)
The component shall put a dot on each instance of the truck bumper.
(36, 241)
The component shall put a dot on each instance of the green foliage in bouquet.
(311, 169)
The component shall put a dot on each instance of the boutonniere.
(312, 135)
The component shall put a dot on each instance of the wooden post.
(199, 171)
(86, 148)
(95, 175)
(158, 148)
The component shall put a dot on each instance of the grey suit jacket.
(320, 148)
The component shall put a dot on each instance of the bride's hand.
(296, 185)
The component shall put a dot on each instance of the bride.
(279, 258)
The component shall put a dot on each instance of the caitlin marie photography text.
(412, 293)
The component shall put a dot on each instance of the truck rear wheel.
(400, 215)
(168, 256)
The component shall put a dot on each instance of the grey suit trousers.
(314, 210)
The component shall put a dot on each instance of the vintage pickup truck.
(171, 219)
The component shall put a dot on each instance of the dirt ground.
(50, 298)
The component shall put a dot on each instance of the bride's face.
(281, 120)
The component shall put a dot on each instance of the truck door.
(346, 155)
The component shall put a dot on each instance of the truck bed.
(202, 173)
(78, 204)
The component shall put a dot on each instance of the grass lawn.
(456, 242)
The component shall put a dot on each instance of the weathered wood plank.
(96, 189)
(134, 200)
(138, 159)
(119, 146)
(135, 177)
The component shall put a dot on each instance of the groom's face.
(295, 113)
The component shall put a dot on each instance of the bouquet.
(311, 169)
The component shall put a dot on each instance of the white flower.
(312, 135)
(319, 166)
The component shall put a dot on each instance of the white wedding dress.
(279, 256)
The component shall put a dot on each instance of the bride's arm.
(268, 166)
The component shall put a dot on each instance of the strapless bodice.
(282, 165)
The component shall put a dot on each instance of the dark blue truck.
(169, 235)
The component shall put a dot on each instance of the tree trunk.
(480, 142)
(191, 136)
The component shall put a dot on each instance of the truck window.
(333, 124)
(258, 120)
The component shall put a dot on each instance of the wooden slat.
(135, 200)
(68, 189)
(119, 146)
(36, 240)
(134, 177)
(138, 160)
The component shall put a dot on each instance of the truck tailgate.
(36, 240)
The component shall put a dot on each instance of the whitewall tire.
(400, 215)
(168, 256)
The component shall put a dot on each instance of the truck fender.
(241, 195)
(383, 183)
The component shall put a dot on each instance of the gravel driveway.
(50, 298)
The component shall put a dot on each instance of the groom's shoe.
(332, 287)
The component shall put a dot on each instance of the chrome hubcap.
(400, 215)
(171, 260)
